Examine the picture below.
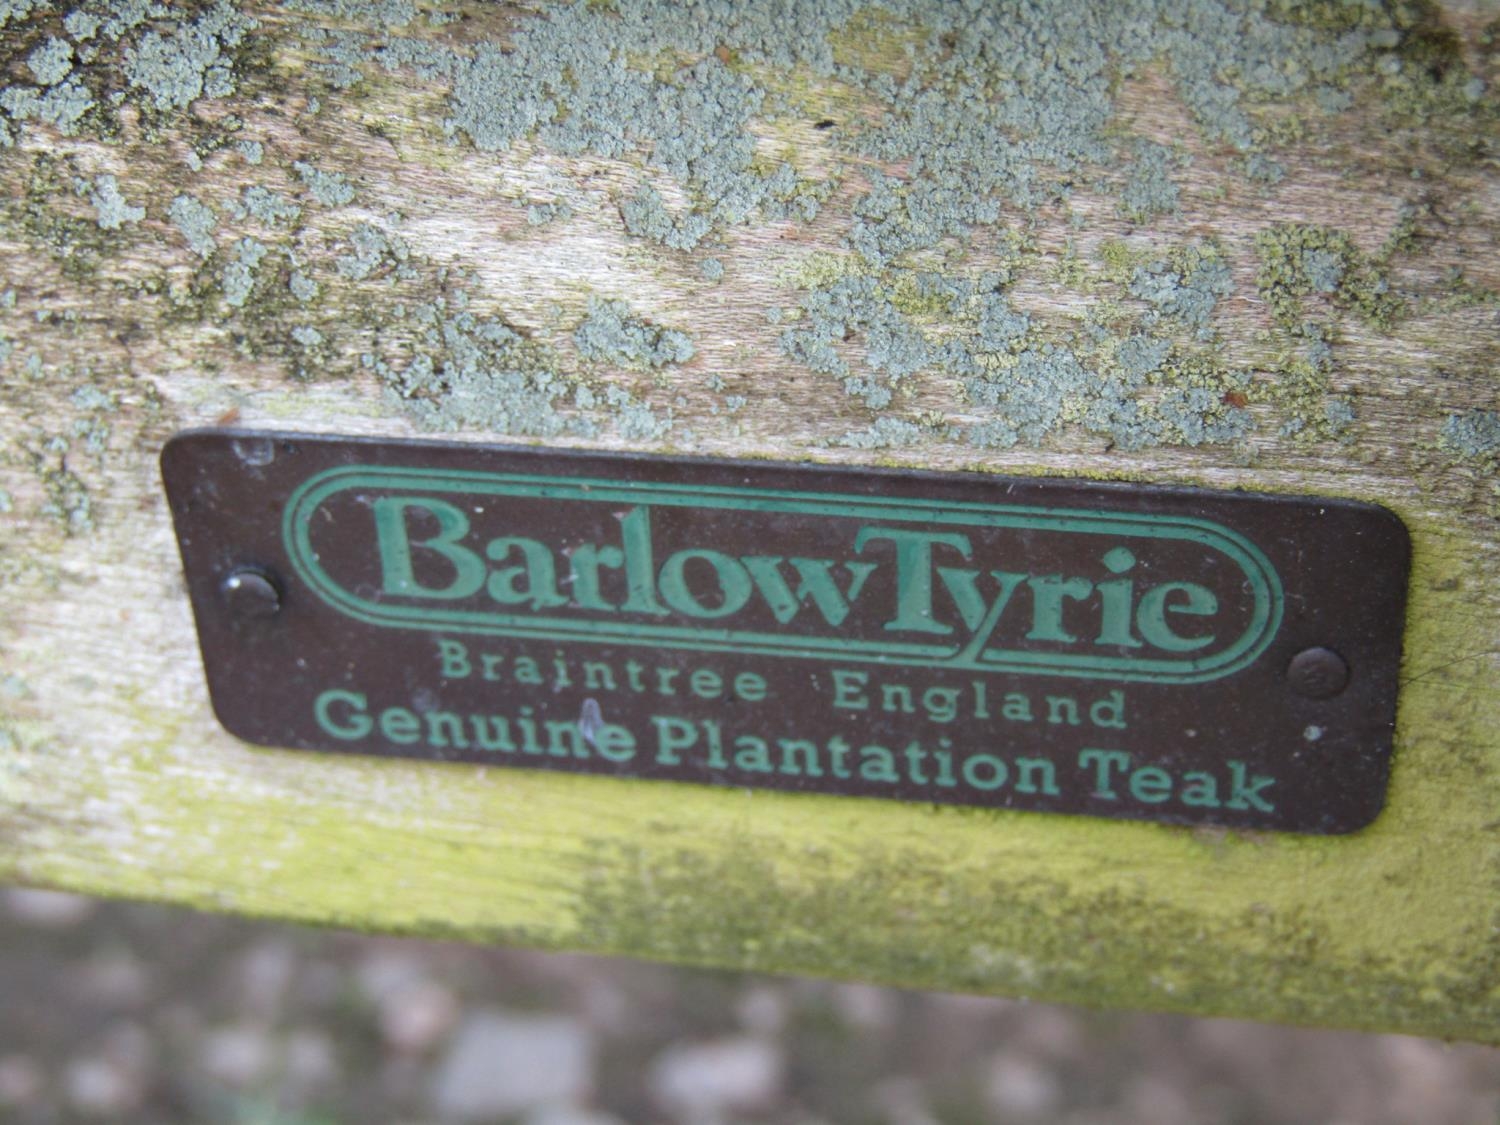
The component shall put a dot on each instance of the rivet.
(1318, 673)
(251, 593)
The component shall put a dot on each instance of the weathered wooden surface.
(1182, 245)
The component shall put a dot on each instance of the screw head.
(1317, 673)
(251, 594)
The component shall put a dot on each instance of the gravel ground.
(126, 1013)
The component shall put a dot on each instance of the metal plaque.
(1115, 650)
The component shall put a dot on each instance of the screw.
(1318, 673)
(251, 594)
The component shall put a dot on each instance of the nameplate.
(1119, 650)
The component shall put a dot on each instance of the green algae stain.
(1380, 930)
(901, 918)
(1386, 929)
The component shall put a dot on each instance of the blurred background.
(122, 1012)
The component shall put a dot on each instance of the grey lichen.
(196, 220)
(967, 122)
(192, 60)
(634, 419)
(886, 432)
(573, 77)
(112, 209)
(62, 106)
(1149, 189)
(1186, 286)
(267, 206)
(1472, 434)
(970, 125)
(51, 62)
(611, 334)
(302, 287)
(474, 372)
(173, 55)
(66, 500)
(540, 214)
(331, 189)
(380, 13)
(373, 249)
(238, 277)
(81, 25)
(857, 309)
(646, 215)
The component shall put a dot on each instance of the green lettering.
(1200, 790)
(614, 742)
(876, 763)
(1244, 793)
(455, 660)
(1103, 762)
(752, 754)
(640, 569)
(963, 585)
(398, 575)
(1150, 785)
(540, 589)
(992, 775)
(1114, 596)
(799, 758)
(525, 670)
(445, 729)
(1016, 708)
(1027, 771)
(1109, 711)
(1047, 596)
(750, 687)
(1151, 617)
(672, 736)
(583, 565)
(848, 689)
(398, 724)
(914, 574)
(353, 726)
(817, 583)
(733, 582)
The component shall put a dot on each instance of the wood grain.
(115, 779)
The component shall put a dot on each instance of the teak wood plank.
(1189, 246)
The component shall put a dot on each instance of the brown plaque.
(1115, 650)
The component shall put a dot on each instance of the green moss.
(1121, 259)
(1299, 260)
